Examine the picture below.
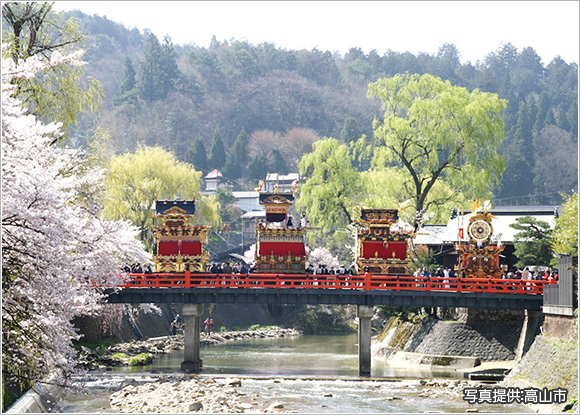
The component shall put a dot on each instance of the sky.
(476, 28)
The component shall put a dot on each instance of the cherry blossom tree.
(56, 251)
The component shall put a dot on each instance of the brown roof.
(215, 173)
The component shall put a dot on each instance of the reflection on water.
(284, 356)
(331, 360)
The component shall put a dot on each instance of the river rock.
(275, 405)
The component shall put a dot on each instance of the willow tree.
(134, 180)
(63, 91)
(565, 236)
(331, 192)
(436, 132)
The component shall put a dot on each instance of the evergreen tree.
(169, 62)
(258, 167)
(217, 153)
(572, 115)
(197, 156)
(350, 131)
(533, 244)
(544, 104)
(128, 83)
(517, 183)
(279, 164)
(158, 71)
(238, 156)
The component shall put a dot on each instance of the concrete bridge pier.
(191, 338)
(364, 314)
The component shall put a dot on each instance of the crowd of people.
(527, 274)
(447, 273)
(323, 269)
(137, 268)
(239, 267)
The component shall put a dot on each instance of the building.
(284, 182)
(212, 180)
(248, 201)
(441, 239)
(249, 220)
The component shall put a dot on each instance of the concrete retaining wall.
(42, 398)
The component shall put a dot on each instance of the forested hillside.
(249, 109)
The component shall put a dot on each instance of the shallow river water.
(309, 374)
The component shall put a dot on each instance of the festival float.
(279, 242)
(478, 258)
(178, 245)
(380, 249)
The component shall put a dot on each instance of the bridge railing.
(334, 282)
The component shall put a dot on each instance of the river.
(309, 373)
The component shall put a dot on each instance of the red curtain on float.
(168, 248)
(191, 248)
(172, 248)
(384, 252)
(282, 248)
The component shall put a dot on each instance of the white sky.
(477, 28)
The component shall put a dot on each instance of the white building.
(248, 201)
(284, 182)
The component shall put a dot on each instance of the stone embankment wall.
(489, 335)
(490, 341)
(551, 362)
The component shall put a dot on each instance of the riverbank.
(550, 363)
(143, 352)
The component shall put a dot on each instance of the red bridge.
(364, 282)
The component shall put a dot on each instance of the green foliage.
(217, 153)
(350, 131)
(197, 156)
(236, 85)
(158, 71)
(279, 164)
(401, 313)
(235, 168)
(533, 245)
(134, 180)
(119, 356)
(518, 178)
(63, 92)
(331, 191)
(228, 211)
(127, 92)
(140, 359)
(565, 235)
(258, 167)
(97, 346)
(422, 257)
(436, 131)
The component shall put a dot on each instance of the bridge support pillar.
(364, 313)
(191, 337)
(531, 324)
